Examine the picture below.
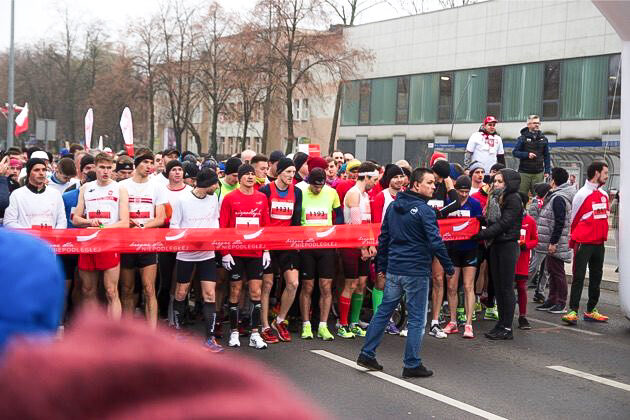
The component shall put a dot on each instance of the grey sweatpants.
(534, 265)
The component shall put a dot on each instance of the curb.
(606, 284)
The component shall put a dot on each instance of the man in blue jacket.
(532, 149)
(409, 240)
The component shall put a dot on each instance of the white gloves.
(228, 262)
(266, 259)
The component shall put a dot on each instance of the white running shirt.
(193, 212)
(142, 199)
(102, 203)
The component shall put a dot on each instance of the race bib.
(140, 214)
(316, 217)
(99, 214)
(281, 210)
(523, 234)
(41, 222)
(600, 211)
(436, 204)
(247, 221)
(460, 213)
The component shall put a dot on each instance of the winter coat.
(508, 228)
(410, 238)
(532, 142)
(548, 220)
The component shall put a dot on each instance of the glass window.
(613, 109)
(471, 92)
(305, 111)
(423, 98)
(379, 151)
(522, 91)
(584, 88)
(495, 81)
(551, 91)
(350, 104)
(402, 100)
(445, 100)
(383, 101)
(364, 102)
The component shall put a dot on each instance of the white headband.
(373, 173)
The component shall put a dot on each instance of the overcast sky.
(36, 19)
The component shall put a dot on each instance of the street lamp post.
(459, 102)
(11, 81)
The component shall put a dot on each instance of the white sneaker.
(255, 340)
(363, 325)
(437, 332)
(234, 340)
(403, 332)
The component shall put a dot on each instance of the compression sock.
(357, 305)
(255, 318)
(377, 299)
(209, 310)
(344, 308)
(233, 316)
(179, 309)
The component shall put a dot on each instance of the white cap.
(40, 154)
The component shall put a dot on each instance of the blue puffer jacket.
(410, 238)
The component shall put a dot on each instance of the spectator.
(532, 149)
(485, 146)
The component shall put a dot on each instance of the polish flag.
(89, 123)
(126, 126)
(21, 121)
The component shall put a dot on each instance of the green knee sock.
(357, 303)
(377, 299)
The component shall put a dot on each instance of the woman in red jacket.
(528, 241)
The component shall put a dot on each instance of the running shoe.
(403, 332)
(324, 333)
(369, 363)
(468, 331)
(595, 316)
(281, 330)
(451, 328)
(357, 331)
(461, 315)
(474, 317)
(255, 340)
(545, 306)
(557, 309)
(523, 323)
(307, 332)
(478, 307)
(392, 329)
(437, 332)
(364, 325)
(500, 334)
(212, 346)
(343, 332)
(269, 337)
(539, 298)
(234, 339)
(571, 318)
(491, 313)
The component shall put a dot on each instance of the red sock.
(344, 308)
(521, 286)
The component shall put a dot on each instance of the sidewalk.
(610, 279)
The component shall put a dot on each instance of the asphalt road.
(473, 378)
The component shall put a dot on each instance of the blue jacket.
(4, 194)
(410, 238)
(70, 201)
(33, 285)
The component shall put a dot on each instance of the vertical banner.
(126, 125)
(21, 121)
(89, 121)
(100, 143)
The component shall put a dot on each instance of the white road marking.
(591, 377)
(412, 387)
(551, 324)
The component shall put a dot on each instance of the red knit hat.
(435, 156)
(106, 369)
(316, 162)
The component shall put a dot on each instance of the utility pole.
(11, 116)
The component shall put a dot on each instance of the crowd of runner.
(534, 221)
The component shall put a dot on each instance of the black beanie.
(31, 163)
(85, 161)
(463, 182)
(232, 165)
(244, 169)
(145, 156)
(441, 168)
(206, 178)
(190, 170)
(299, 159)
(171, 164)
(391, 170)
(283, 164)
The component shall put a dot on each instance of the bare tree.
(177, 73)
(215, 70)
(145, 35)
(348, 10)
(449, 4)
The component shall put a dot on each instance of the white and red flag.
(21, 121)
(89, 123)
(126, 126)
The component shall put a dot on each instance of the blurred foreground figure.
(123, 370)
(33, 284)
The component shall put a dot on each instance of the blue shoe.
(392, 329)
(212, 346)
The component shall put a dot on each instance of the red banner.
(91, 241)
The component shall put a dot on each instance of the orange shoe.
(595, 316)
(451, 328)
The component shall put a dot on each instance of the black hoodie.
(508, 228)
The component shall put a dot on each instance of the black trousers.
(502, 264)
(593, 256)
(166, 267)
